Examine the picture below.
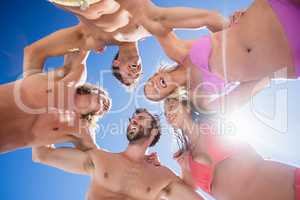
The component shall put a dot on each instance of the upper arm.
(177, 190)
(175, 48)
(67, 159)
(186, 17)
(241, 95)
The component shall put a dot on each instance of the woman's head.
(177, 108)
(161, 84)
(91, 102)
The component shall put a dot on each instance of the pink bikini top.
(199, 55)
(218, 151)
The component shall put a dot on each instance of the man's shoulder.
(167, 171)
(99, 153)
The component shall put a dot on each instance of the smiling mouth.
(133, 129)
(171, 118)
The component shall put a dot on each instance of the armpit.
(167, 192)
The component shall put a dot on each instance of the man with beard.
(125, 175)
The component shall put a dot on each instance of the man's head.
(126, 66)
(88, 9)
(143, 127)
(91, 101)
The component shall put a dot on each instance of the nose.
(134, 121)
(169, 116)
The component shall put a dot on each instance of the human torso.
(246, 176)
(133, 21)
(254, 48)
(116, 177)
(15, 123)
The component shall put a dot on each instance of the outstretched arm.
(75, 67)
(175, 48)
(68, 159)
(183, 17)
(56, 44)
(236, 98)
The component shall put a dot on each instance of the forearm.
(175, 48)
(67, 159)
(33, 61)
(239, 96)
(183, 17)
(56, 44)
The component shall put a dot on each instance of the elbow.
(29, 51)
(32, 53)
(216, 22)
(38, 156)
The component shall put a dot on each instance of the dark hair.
(182, 140)
(116, 70)
(88, 89)
(155, 124)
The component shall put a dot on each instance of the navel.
(55, 129)
(48, 90)
(249, 50)
(106, 175)
(148, 189)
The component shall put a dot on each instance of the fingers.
(153, 159)
(236, 17)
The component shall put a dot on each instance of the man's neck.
(135, 152)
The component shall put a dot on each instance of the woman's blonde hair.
(86, 89)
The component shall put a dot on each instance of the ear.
(117, 62)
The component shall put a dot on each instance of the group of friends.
(47, 108)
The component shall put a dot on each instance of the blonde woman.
(225, 168)
(263, 41)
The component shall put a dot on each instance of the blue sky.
(23, 23)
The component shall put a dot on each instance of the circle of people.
(246, 50)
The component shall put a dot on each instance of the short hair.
(155, 124)
(116, 70)
(88, 89)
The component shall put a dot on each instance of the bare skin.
(120, 23)
(31, 119)
(245, 175)
(82, 37)
(118, 176)
(157, 20)
(239, 54)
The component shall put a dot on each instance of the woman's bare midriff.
(252, 49)
(247, 176)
